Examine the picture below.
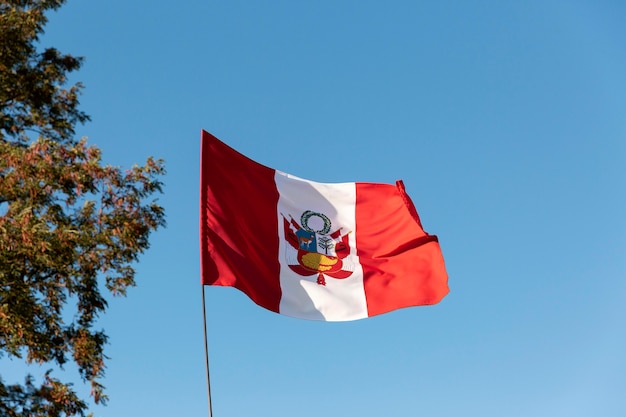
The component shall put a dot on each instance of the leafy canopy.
(70, 226)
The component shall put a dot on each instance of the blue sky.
(504, 119)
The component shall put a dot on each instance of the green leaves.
(33, 96)
(52, 399)
(70, 226)
(70, 221)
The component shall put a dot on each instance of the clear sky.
(506, 121)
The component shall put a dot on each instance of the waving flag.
(310, 250)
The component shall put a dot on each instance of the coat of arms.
(317, 249)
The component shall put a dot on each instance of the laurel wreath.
(304, 221)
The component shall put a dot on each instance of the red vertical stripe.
(238, 223)
(402, 265)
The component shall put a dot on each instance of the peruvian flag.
(310, 250)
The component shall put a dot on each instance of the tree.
(71, 227)
(326, 243)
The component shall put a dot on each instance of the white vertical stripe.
(302, 296)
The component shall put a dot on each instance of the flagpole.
(206, 353)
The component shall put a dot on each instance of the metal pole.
(206, 354)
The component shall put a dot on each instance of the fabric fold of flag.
(317, 251)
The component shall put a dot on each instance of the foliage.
(70, 226)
